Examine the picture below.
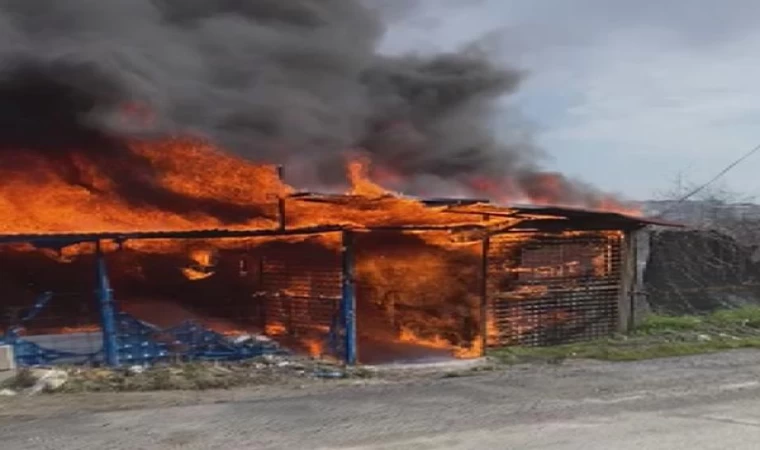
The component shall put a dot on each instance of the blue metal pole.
(348, 300)
(107, 310)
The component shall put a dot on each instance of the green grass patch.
(656, 324)
(612, 350)
(748, 316)
(745, 320)
(656, 337)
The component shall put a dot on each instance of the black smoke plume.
(296, 82)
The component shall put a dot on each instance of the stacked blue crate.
(143, 343)
(137, 341)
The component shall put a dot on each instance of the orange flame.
(199, 187)
(361, 185)
(203, 262)
(314, 347)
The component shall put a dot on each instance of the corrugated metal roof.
(578, 213)
(537, 213)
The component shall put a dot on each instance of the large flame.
(204, 188)
(190, 185)
(200, 187)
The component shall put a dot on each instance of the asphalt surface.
(703, 402)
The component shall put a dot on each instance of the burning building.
(110, 182)
(366, 276)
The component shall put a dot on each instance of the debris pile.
(34, 381)
(263, 370)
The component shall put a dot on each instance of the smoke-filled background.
(297, 82)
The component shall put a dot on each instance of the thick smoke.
(297, 82)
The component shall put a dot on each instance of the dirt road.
(704, 402)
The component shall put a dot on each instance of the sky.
(626, 95)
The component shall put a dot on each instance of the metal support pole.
(281, 201)
(281, 221)
(484, 293)
(348, 298)
(107, 310)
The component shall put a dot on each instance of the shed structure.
(550, 276)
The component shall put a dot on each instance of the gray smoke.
(297, 82)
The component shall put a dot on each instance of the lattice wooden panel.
(547, 289)
(302, 291)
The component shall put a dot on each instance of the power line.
(712, 180)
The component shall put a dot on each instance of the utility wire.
(712, 180)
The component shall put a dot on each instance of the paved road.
(707, 402)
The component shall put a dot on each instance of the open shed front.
(180, 298)
(370, 296)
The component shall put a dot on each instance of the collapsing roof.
(524, 218)
(551, 217)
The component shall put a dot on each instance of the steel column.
(348, 298)
(281, 221)
(107, 310)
